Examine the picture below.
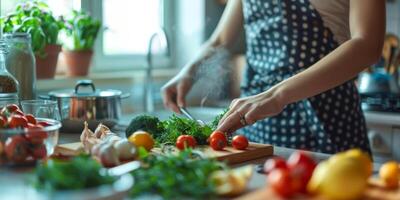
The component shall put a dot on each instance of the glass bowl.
(22, 146)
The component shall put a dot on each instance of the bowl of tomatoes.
(25, 139)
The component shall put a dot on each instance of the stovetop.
(382, 103)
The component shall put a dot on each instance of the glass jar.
(20, 62)
(8, 84)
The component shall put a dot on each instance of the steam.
(212, 74)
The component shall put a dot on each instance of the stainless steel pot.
(86, 103)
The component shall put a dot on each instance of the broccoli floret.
(146, 123)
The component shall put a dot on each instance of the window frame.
(102, 62)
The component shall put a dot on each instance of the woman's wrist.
(279, 95)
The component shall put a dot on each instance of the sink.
(207, 114)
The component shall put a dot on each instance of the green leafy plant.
(35, 18)
(78, 173)
(176, 126)
(176, 176)
(81, 31)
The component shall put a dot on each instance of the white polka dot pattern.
(283, 38)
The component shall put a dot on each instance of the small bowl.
(50, 142)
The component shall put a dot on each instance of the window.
(128, 25)
(126, 18)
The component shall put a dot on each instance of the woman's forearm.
(339, 66)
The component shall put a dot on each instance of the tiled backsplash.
(393, 17)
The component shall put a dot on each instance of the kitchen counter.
(14, 183)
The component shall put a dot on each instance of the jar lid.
(81, 91)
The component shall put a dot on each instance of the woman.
(301, 58)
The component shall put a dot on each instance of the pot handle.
(84, 83)
(125, 95)
(44, 97)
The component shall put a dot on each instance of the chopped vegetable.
(176, 176)
(176, 126)
(144, 123)
(79, 173)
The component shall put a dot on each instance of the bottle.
(20, 62)
(8, 84)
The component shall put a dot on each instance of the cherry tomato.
(218, 144)
(17, 121)
(39, 151)
(31, 119)
(282, 182)
(185, 141)
(16, 148)
(302, 166)
(218, 134)
(274, 163)
(240, 142)
(12, 108)
(18, 112)
(3, 122)
(35, 134)
(44, 123)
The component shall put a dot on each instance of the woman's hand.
(175, 91)
(246, 111)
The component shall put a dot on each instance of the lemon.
(341, 177)
(363, 158)
(142, 139)
(389, 174)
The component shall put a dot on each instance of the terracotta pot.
(46, 66)
(78, 62)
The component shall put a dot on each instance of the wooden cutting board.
(229, 154)
(375, 191)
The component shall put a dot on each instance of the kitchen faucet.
(163, 49)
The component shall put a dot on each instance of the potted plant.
(36, 19)
(81, 32)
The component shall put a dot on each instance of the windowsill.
(104, 77)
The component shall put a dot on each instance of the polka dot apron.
(283, 38)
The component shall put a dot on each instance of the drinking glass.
(41, 109)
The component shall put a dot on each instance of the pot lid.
(85, 88)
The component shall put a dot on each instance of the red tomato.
(12, 108)
(282, 182)
(185, 141)
(31, 119)
(35, 134)
(44, 123)
(3, 122)
(39, 151)
(17, 121)
(16, 148)
(302, 167)
(218, 143)
(240, 142)
(18, 112)
(274, 163)
(218, 134)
